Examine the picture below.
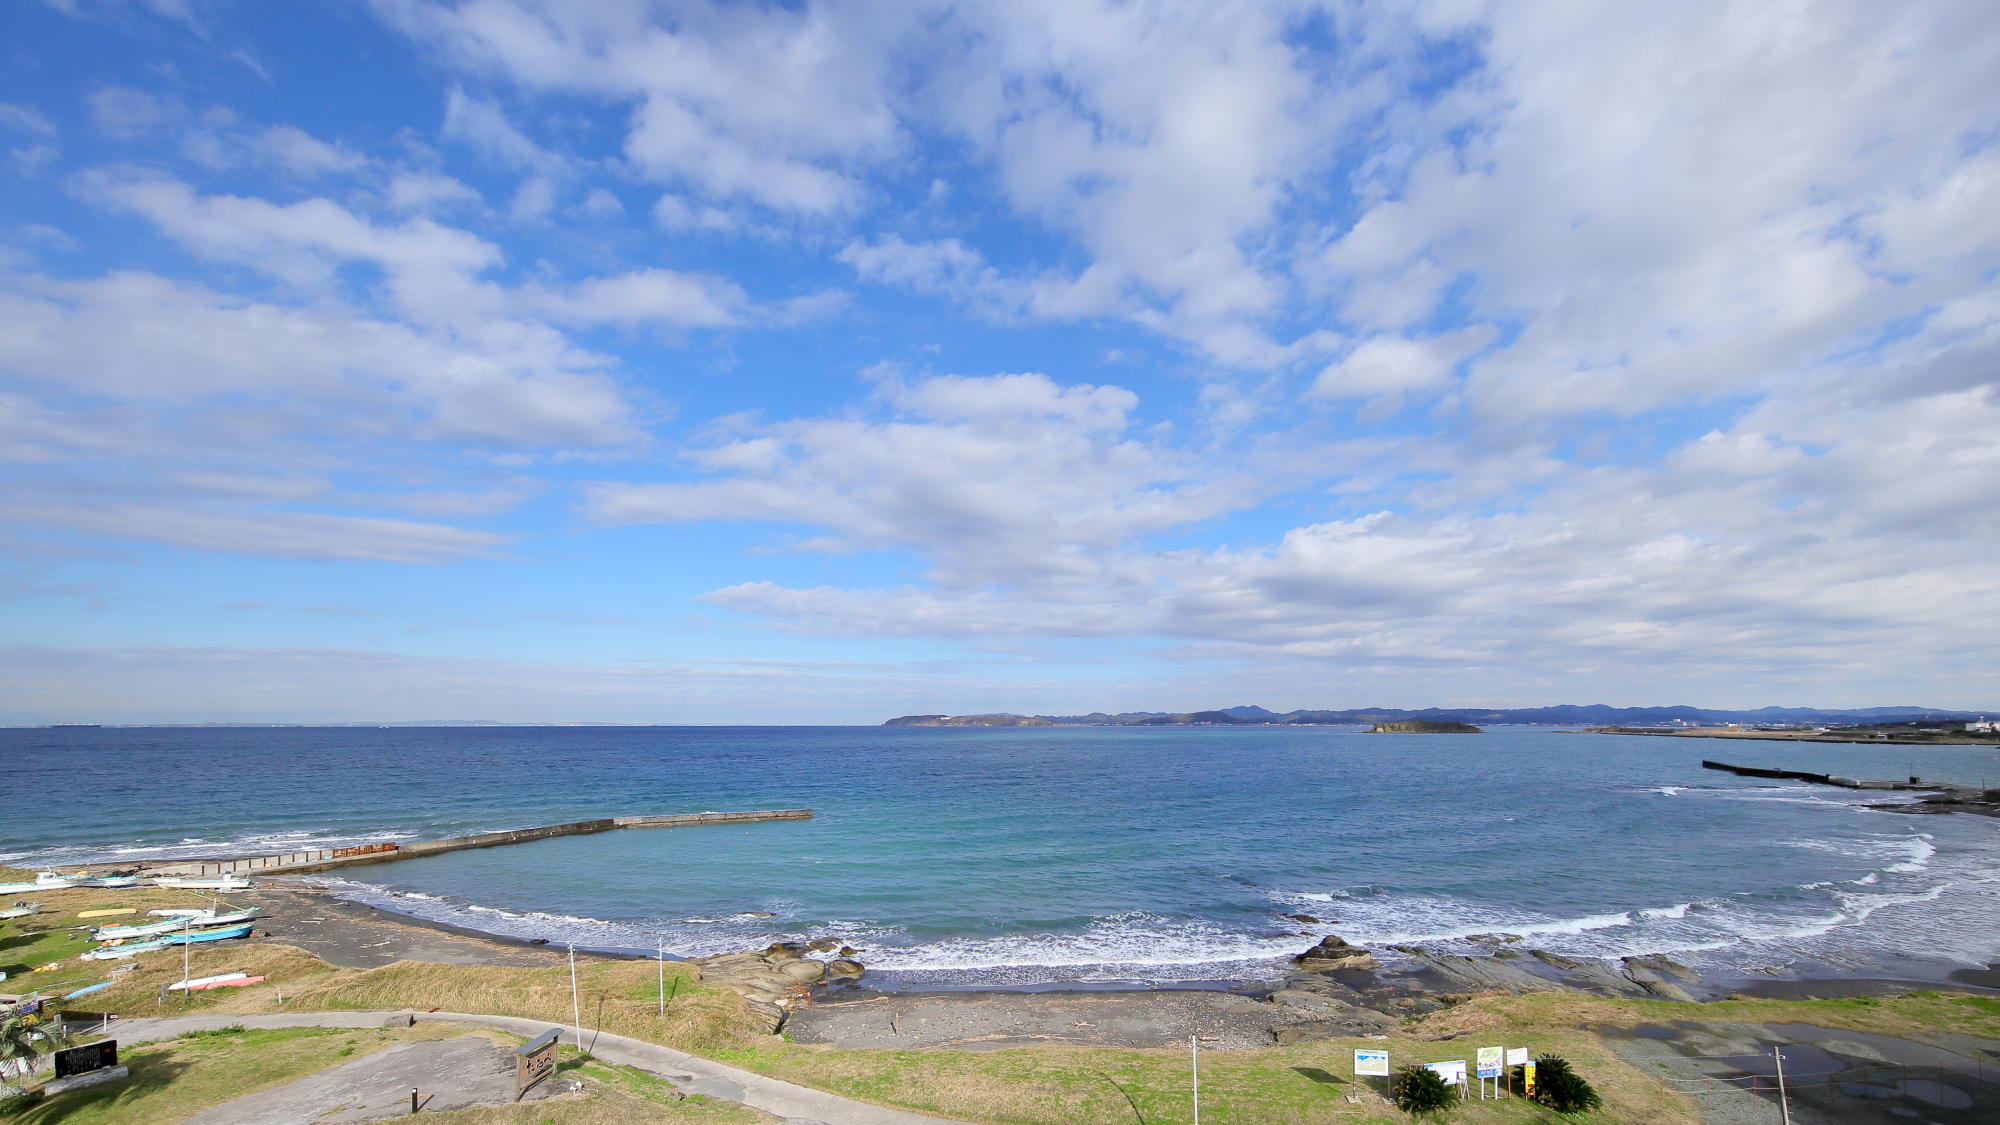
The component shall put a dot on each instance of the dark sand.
(353, 936)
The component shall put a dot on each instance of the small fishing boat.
(87, 990)
(210, 982)
(238, 982)
(203, 882)
(165, 941)
(54, 881)
(222, 934)
(21, 910)
(109, 881)
(120, 952)
(176, 923)
(37, 885)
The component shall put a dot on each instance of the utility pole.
(1194, 1066)
(575, 1007)
(662, 959)
(187, 952)
(1784, 1108)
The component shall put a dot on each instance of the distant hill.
(1595, 714)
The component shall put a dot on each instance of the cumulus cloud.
(1010, 477)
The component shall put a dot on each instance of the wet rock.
(1405, 950)
(1654, 984)
(1333, 953)
(1557, 959)
(1658, 964)
(1306, 918)
(803, 970)
(787, 949)
(1488, 975)
(848, 951)
(844, 969)
(821, 945)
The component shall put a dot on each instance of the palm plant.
(1420, 1091)
(22, 1041)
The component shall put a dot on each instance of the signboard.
(1517, 1056)
(1452, 1072)
(89, 1057)
(534, 1061)
(1489, 1061)
(1528, 1079)
(1371, 1064)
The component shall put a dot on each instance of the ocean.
(1079, 856)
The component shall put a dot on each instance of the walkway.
(799, 1105)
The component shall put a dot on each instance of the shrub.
(1559, 1087)
(1421, 1090)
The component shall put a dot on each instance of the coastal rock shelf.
(320, 859)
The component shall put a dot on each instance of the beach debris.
(1333, 953)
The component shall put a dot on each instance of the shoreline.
(1289, 1004)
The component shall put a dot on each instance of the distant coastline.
(1627, 720)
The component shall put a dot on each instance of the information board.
(1489, 1061)
(89, 1057)
(1517, 1056)
(1452, 1072)
(1373, 1064)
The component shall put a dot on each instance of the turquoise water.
(1047, 855)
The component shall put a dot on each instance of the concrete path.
(798, 1105)
(447, 1073)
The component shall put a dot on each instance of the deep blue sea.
(968, 856)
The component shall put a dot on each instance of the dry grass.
(1302, 1085)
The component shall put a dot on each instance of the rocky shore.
(817, 992)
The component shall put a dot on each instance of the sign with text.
(1517, 1056)
(1489, 1061)
(1371, 1064)
(1452, 1072)
(1528, 1079)
(534, 1061)
(89, 1057)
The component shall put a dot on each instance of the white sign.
(1517, 1056)
(1453, 1073)
(1371, 1064)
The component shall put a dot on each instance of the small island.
(1423, 726)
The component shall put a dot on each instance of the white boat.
(109, 881)
(52, 881)
(20, 910)
(198, 982)
(204, 883)
(219, 933)
(175, 924)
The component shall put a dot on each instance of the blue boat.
(207, 935)
(87, 990)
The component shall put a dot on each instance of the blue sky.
(821, 362)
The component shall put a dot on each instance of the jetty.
(1825, 778)
(321, 859)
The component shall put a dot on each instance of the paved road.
(798, 1105)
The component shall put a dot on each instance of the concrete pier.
(1825, 778)
(321, 859)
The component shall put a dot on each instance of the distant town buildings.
(1982, 726)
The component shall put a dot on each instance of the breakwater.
(1823, 778)
(321, 859)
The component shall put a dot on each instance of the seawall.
(321, 859)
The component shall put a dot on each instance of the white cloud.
(1006, 478)
(303, 535)
(26, 119)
